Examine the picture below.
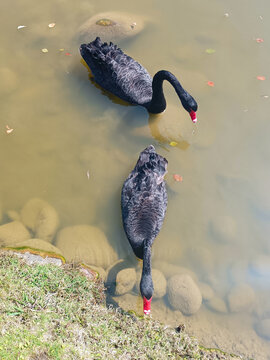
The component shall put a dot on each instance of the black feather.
(119, 74)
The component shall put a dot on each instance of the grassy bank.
(50, 312)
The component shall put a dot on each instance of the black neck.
(146, 284)
(158, 102)
(147, 267)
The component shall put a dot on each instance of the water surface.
(65, 128)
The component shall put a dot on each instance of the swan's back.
(144, 199)
(117, 72)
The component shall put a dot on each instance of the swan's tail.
(99, 51)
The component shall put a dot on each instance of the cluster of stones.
(186, 292)
(36, 226)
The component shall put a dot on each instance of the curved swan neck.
(158, 102)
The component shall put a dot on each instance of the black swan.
(119, 74)
(144, 203)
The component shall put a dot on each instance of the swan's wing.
(118, 72)
(144, 204)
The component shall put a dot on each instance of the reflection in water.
(217, 225)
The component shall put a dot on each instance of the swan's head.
(190, 105)
(147, 289)
(152, 163)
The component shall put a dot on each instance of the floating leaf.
(52, 25)
(210, 83)
(178, 178)
(105, 22)
(262, 78)
(210, 51)
(44, 50)
(173, 143)
(8, 130)
(21, 27)
(259, 40)
(61, 49)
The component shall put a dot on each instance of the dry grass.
(47, 312)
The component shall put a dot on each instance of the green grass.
(50, 312)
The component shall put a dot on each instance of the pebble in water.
(184, 294)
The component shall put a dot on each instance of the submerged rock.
(13, 215)
(223, 229)
(41, 218)
(110, 26)
(99, 270)
(87, 244)
(40, 245)
(129, 302)
(203, 260)
(169, 269)
(238, 271)
(206, 291)
(241, 298)
(112, 272)
(160, 284)
(184, 294)
(262, 328)
(217, 304)
(13, 232)
(162, 251)
(125, 280)
(260, 265)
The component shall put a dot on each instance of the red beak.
(193, 116)
(146, 306)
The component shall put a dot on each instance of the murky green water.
(73, 145)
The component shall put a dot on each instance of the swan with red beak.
(144, 204)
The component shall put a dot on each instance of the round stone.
(184, 294)
(241, 298)
(160, 284)
(260, 265)
(223, 229)
(13, 215)
(12, 233)
(85, 243)
(41, 218)
(170, 269)
(217, 304)
(206, 291)
(110, 26)
(263, 328)
(100, 271)
(125, 280)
